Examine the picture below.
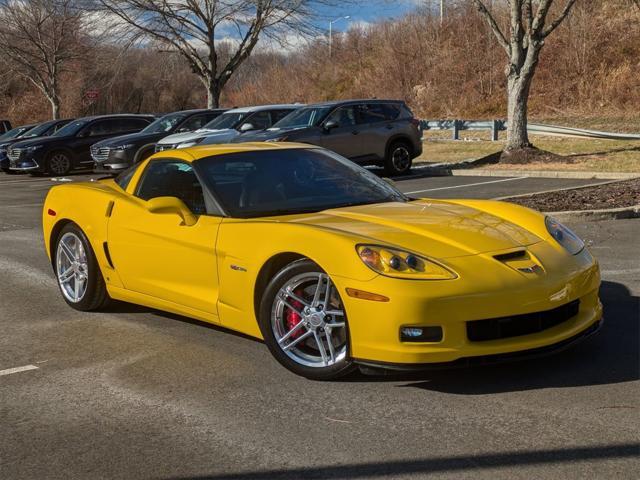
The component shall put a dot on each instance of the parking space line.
(466, 185)
(26, 205)
(10, 371)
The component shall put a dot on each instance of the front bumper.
(25, 165)
(479, 293)
(109, 162)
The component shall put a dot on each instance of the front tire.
(58, 163)
(77, 272)
(304, 323)
(398, 161)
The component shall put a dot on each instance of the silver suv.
(369, 132)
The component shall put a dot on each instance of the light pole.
(331, 29)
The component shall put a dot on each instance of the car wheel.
(398, 161)
(79, 277)
(304, 323)
(58, 163)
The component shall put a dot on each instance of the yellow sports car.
(330, 265)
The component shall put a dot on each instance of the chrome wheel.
(400, 158)
(59, 164)
(309, 322)
(72, 267)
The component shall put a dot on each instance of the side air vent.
(517, 255)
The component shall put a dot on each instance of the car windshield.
(226, 120)
(70, 128)
(165, 124)
(37, 131)
(15, 133)
(304, 117)
(288, 181)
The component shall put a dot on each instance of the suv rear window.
(378, 112)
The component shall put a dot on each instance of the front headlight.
(564, 236)
(190, 144)
(124, 147)
(396, 263)
(33, 148)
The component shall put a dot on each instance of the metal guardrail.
(496, 126)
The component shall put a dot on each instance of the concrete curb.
(553, 190)
(466, 169)
(596, 215)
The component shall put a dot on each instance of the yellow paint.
(208, 270)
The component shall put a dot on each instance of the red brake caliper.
(292, 318)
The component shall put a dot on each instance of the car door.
(344, 136)
(156, 254)
(93, 133)
(376, 122)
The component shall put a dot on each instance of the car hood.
(436, 229)
(129, 138)
(219, 136)
(38, 141)
(188, 136)
(269, 134)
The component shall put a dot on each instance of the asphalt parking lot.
(134, 393)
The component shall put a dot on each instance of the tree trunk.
(518, 95)
(213, 93)
(55, 107)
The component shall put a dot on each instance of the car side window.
(194, 123)
(343, 116)
(172, 178)
(131, 125)
(277, 115)
(99, 127)
(259, 120)
(377, 112)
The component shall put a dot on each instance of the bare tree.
(530, 25)
(214, 36)
(40, 40)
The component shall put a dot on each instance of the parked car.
(231, 124)
(42, 130)
(116, 154)
(68, 148)
(368, 132)
(16, 132)
(5, 126)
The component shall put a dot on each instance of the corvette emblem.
(238, 268)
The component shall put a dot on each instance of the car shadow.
(611, 356)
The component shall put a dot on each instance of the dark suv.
(68, 148)
(43, 130)
(116, 154)
(369, 132)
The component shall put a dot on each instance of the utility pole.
(441, 11)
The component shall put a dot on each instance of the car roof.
(193, 111)
(116, 115)
(192, 154)
(332, 103)
(259, 108)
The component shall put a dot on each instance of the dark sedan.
(68, 148)
(116, 154)
(42, 130)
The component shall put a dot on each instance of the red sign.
(92, 94)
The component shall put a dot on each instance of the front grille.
(14, 154)
(100, 154)
(518, 325)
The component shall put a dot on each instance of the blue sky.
(369, 11)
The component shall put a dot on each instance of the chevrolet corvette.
(331, 266)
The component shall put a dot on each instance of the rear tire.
(307, 332)
(399, 158)
(77, 271)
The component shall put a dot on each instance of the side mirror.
(330, 125)
(172, 205)
(245, 127)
